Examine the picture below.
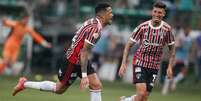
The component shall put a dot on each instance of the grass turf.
(111, 92)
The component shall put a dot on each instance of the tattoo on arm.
(84, 57)
(129, 44)
(171, 54)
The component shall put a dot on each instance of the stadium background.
(57, 20)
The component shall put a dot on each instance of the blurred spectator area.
(57, 20)
(55, 15)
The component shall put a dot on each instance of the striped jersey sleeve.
(92, 35)
(137, 33)
(170, 38)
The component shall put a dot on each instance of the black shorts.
(178, 67)
(68, 72)
(144, 75)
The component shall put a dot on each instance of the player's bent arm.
(36, 36)
(128, 45)
(85, 51)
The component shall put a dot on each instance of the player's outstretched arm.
(122, 69)
(38, 38)
(46, 44)
(171, 61)
(8, 23)
(85, 51)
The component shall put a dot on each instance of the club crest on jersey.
(95, 35)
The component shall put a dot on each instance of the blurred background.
(57, 20)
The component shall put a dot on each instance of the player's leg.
(144, 89)
(168, 82)
(166, 86)
(43, 85)
(66, 74)
(182, 68)
(7, 57)
(2, 66)
(139, 80)
(151, 77)
(141, 92)
(95, 85)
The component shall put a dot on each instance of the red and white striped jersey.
(152, 40)
(89, 32)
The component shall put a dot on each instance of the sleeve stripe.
(136, 34)
(171, 43)
(133, 39)
(85, 29)
(89, 42)
(93, 30)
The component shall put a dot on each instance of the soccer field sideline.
(111, 92)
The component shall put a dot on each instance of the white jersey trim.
(89, 42)
(158, 27)
(171, 43)
(133, 39)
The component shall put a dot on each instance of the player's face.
(24, 21)
(108, 15)
(157, 14)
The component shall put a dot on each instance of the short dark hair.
(159, 4)
(101, 7)
(24, 14)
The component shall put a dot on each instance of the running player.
(75, 62)
(13, 42)
(153, 35)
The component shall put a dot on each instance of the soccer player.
(152, 35)
(75, 62)
(12, 43)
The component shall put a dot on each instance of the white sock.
(43, 86)
(166, 86)
(178, 78)
(95, 95)
(131, 98)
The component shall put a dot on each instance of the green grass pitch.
(111, 92)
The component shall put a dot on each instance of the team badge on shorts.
(138, 75)
(138, 72)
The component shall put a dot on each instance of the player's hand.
(84, 83)
(49, 45)
(169, 73)
(122, 70)
(46, 44)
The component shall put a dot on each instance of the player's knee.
(96, 86)
(142, 95)
(60, 89)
